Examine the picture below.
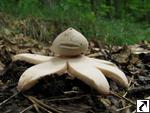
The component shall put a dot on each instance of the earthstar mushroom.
(69, 48)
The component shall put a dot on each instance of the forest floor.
(59, 94)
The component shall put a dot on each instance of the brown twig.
(44, 108)
(67, 98)
(36, 108)
(34, 104)
(121, 97)
(130, 85)
(28, 108)
(5, 101)
(41, 104)
(124, 108)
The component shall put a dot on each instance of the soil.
(62, 94)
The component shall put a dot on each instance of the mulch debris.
(62, 94)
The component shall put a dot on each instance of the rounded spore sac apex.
(70, 43)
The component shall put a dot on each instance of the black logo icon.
(144, 104)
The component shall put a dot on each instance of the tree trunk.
(94, 4)
(109, 4)
(125, 7)
(117, 4)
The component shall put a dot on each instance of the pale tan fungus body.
(69, 48)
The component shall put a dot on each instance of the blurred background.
(113, 21)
